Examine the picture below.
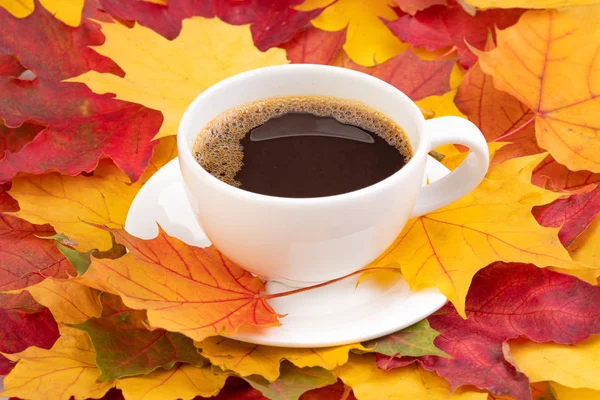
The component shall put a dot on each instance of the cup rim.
(187, 157)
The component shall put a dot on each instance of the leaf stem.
(520, 128)
(305, 289)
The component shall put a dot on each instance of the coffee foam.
(218, 150)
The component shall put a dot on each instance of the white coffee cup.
(301, 242)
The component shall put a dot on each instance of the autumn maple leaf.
(25, 259)
(572, 214)
(80, 129)
(22, 329)
(271, 22)
(502, 117)
(44, 52)
(121, 328)
(530, 63)
(192, 290)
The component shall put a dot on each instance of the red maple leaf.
(52, 49)
(163, 19)
(271, 22)
(20, 330)
(507, 301)
(80, 129)
(439, 27)
(573, 214)
(25, 259)
(415, 77)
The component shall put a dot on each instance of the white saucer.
(336, 314)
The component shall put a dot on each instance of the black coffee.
(310, 146)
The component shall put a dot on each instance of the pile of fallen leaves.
(92, 93)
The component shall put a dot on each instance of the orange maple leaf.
(187, 289)
(549, 62)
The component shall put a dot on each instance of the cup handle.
(465, 178)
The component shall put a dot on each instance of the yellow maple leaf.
(250, 359)
(529, 3)
(168, 74)
(575, 365)
(182, 382)
(411, 382)
(69, 201)
(69, 301)
(68, 11)
(67, 369)
(533, 61)
(368, 40)
(566, 393)
(447, 247)
(103, 199)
